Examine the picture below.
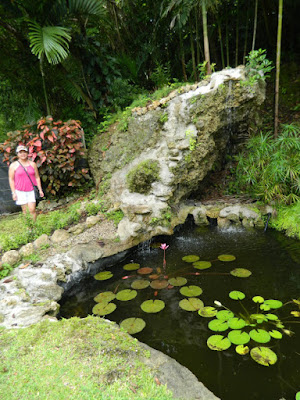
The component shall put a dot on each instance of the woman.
(21, 185)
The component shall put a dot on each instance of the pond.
(274, 262)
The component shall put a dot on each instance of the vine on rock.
(56, 147)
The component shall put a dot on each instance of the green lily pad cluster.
(245, 328)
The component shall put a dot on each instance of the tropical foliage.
(270, 168)
(57, 147)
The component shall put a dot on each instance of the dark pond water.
(275, 264)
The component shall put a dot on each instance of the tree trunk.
(246, 34)
(205, 37)
(182, 57)
(44, 86)
(193, 51)
(279, 32)
(221, 43)
(237, 35)
(227, 41)
(255, 24)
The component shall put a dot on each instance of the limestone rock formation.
(170, 146)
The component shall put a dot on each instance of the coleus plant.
(56, 147)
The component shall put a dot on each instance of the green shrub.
(140, 178)
(288, 220)
(257, 67)
(269, 169)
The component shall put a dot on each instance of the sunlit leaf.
(159, 284)
(275, 334)
(218, 343)
(202, 264)
(260, 335)
(152, 306)
(104, 297)
(295, 314)
(145, 271)
(258, 299)
(217, 325)
(241, 272)
(103, 276)
(126, 295)
(226, 257)
(104, 309)
(178, 281)
(263, 355)
(224, 315)
(208, 312)
(191, 304)
(131, 267)
(140, 284)
(236, 323)
(272, 317)
(191, 291)
(298, 396)
(242, 350)
(259, 317)
(190, 258)
(133, 325)
(236, 295)
(238, 337)
(273, 304)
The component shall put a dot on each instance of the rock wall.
(187, 134)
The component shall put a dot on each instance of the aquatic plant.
(245, 326)
(164, 247)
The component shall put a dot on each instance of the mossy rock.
(140, 178)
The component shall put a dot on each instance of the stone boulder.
(171, 146)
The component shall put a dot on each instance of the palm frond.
(51, 41)
(87, 7)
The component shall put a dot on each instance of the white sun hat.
(20, 148)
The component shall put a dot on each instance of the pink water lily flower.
(164, 246)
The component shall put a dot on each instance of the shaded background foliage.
(118, 46)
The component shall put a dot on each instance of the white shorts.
(25, 197)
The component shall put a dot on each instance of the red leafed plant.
(56, 147)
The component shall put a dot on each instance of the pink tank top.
(22, 182)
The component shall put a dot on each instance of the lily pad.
(126, 295)
(258, 299)
(273, 304)
(191, 304)
(218, 343)
(152, 306)
(260, 335)
(259, 317)
(133, 325)
(225, 315)
(153, 276)
(298, 396)
(217, 325)
(202, 264)
(236, 323)
(226, 257)
(104, 308)
(131, 267)
(178, 281)
(241, 272)
(102, 276)
(263, 355)
(191, 291)
(140, 284)
(159, 284)
(242, 350)
(190, 258)
(272, 317)
(236, 295)
(104, 297)
(208, 312)
(275, 334)
(238, 337)
(145, 271)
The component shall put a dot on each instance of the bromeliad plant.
(244, 327)
(56, 147)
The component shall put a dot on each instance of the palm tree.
(49, 41)
(255, 25)
(279, 31)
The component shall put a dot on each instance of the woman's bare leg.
(31, 208)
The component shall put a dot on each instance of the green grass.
(82, 359)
